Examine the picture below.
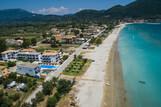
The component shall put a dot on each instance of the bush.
(33, 41)
(47, 87)
(92, 40)
(34, 102)
(63, 86)
(5, 102)
(15, 96)
(26, 105)
(65, 57)
(11, 64)
(80, 57)
(52, 101)
(39, 97)
(99, 41)
(12, 76)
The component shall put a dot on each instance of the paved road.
(62, 67)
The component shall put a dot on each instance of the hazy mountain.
(20, 15)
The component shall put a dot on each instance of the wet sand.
(114, 92)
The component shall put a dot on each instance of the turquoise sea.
(139, 47)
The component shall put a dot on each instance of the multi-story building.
(29, 55)
(28, 69)
(50, 57)
(9, 55)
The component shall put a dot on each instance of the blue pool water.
(139, 47)
(48, 67)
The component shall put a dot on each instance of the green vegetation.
(26, 43)
(47, 88)
(3, 45)
(5, 101)
(147, 9)
(40, 97)
(53, 42)
(62, 87)
(77, 67)
(31, 82)
(11, 64)
(11, 97)
(96, 41)
(33, 41)
(65, 57)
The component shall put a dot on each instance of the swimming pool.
(48, 66)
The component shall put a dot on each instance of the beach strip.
(90, 88)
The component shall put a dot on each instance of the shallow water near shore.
(139, 47)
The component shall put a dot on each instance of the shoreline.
(90, 88)
(114, 90)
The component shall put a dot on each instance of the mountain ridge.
(137, 9)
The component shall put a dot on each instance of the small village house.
(69, 39)
(12, 84)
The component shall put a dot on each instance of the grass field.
(77, 67)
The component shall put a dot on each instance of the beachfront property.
(29, 55)
(28, 69)
(46, 69)
(9, 55)
(50, 57)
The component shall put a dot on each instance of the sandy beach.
(114, 94)
(91, 87)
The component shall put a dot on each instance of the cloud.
(80, 9)
(53, 10)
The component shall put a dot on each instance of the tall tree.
(33, 41)
(53, 42)
(3, 45)
(26, 43)
(47, 87)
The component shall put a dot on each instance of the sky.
(60, 6)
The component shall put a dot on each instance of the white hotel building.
(29, 56)
(9, 55)
(50, 57)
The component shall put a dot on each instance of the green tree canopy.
(52, 101)
(26, 43)
(33, 41)
(3, 45)
(47, 87)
